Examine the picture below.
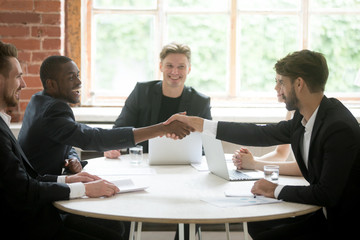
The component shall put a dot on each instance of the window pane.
(338, 38)
(125, 4)
(264, 40)
(321, 4)
(123, 52)
(207, 36)
(198, 4)
(268, 4)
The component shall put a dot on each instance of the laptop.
(166, 151)
(216, 161)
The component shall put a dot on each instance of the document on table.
(127, 185)
(225, 202)
(238, 198)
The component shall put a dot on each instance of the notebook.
(166, 151)
(216, 161)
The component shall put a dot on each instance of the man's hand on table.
(100, 188)
(94, 185)
(83, 177)
(112, 154)
(264, 187)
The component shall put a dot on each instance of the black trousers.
(81, 228)
(306, 227)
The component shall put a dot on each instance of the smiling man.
(49, 130)
(155, 101)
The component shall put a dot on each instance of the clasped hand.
(243, 159)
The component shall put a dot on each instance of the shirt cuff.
(61, 179)
(210, 127)
(77, 190)
(278, 190)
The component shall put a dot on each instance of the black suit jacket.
(26, 197)
(142, 107)
(334, 158)
(49, 131)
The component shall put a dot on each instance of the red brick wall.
(35, 27)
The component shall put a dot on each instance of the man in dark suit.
(25, 196)
(155, 101)
(49, 130)
(325, 139)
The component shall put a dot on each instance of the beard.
(11, 100)
(291, 101)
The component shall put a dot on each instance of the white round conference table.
(176, 194)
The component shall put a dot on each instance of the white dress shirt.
(6, 118)
(76, 189)
(309, 125)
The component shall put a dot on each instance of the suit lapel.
(4, 126)
(298, 137)
(317, 125)
(156, 102)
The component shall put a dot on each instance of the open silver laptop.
(216, 161)
(165, 151)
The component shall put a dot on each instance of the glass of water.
(136, 154)
(271, 172)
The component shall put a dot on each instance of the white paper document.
(127, 185)
(225, 202)
(238, 198)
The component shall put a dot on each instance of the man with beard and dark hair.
(325, 139)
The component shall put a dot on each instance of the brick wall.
(35, 27)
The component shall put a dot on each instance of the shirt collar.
(6, 118)
(310, 124)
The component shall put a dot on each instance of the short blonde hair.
(175, 48)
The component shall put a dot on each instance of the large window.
(234, 43)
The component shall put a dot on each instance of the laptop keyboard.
(235, 175)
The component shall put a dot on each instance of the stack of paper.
(127, 185)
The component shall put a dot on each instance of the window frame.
(248, 98)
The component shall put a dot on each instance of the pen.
(254, 196)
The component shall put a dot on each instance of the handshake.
(176, 127)
(179, 125)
